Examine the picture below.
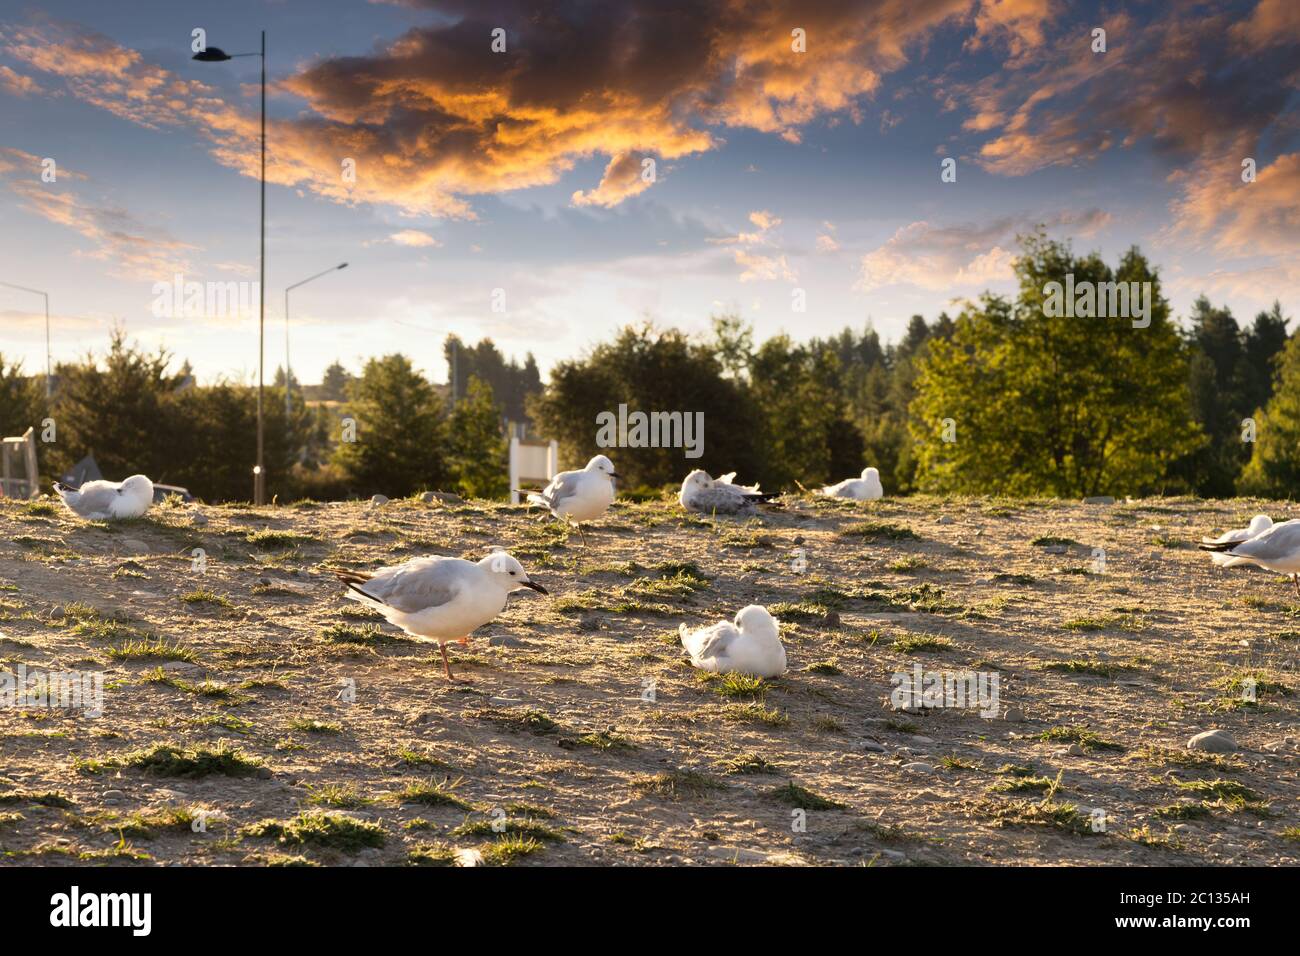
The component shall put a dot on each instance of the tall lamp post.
(214, 54)
(288, 372)
(49, 372)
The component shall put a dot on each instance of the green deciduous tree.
(1054, 405)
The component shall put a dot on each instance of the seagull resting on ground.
(866, 488)
(578, 496)
(1275, 549)
(440, 599)
(750, 646)
(103, 500)
(705, 495)
(1258, 525)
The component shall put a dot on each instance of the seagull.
(1258, 525)
(579, 496)
(101, 500)
(1276, 548)
(750, 646)
(866, 488)
(723, 496)
(440, 599)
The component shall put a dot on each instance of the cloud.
(758, 265)
(942, 257)
(434, 117)
(16, 84)
(411, 237)
(130, 249)
(623, 178)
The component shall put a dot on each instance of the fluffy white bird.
(722, 496)
(104, 500)
(866, 488)
(1258, 524)
(752, 645)
(578, 496)
(440, 599)
(1276, 548)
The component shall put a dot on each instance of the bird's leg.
(582, 534)
(446, 664)
(1295, 579)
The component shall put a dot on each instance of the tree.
(1274, 466)
(511, 384)
(334, 385)
(119, 411)
(806, 435)
(476, 453)
(1046, 404)
(650, 370)
(400, 445)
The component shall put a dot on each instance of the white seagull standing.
(866, 488)
(578, 496)
(1275, 549)
(707, 496)
(750, 646)
(102, 500)
(1258, 525)
(440, 599)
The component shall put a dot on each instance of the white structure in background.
(18, 478)
(533, 463)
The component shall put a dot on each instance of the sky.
(617, 161)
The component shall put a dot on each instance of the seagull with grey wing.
(752, 645)
(440, 599)
(719, 496)
(1276, 548)
(107, 500)
(1258, 525)
(578, 496)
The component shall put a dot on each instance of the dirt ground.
(252, 716)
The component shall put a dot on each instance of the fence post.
(514, 469)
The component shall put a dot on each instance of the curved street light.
(214, 54)
(49, 372)
(288, 371)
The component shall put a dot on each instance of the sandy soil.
(253, 716)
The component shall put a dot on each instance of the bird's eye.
(512, 574)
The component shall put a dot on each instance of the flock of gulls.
(443, 600)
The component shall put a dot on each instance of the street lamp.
(214, 54)
(49, 377)
(288, 373)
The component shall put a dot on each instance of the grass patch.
(676, 784)
(211, 598)
(876, 530)
(746, 763)
(755, 713)
(1093, 667)
(427, 793)
(165, 760)
(793, 795)
(269, 540)
(922, 644)
(152, 649)
(1085, 738)
(319, 828)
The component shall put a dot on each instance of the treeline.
(1005, 398)
(394, 433)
